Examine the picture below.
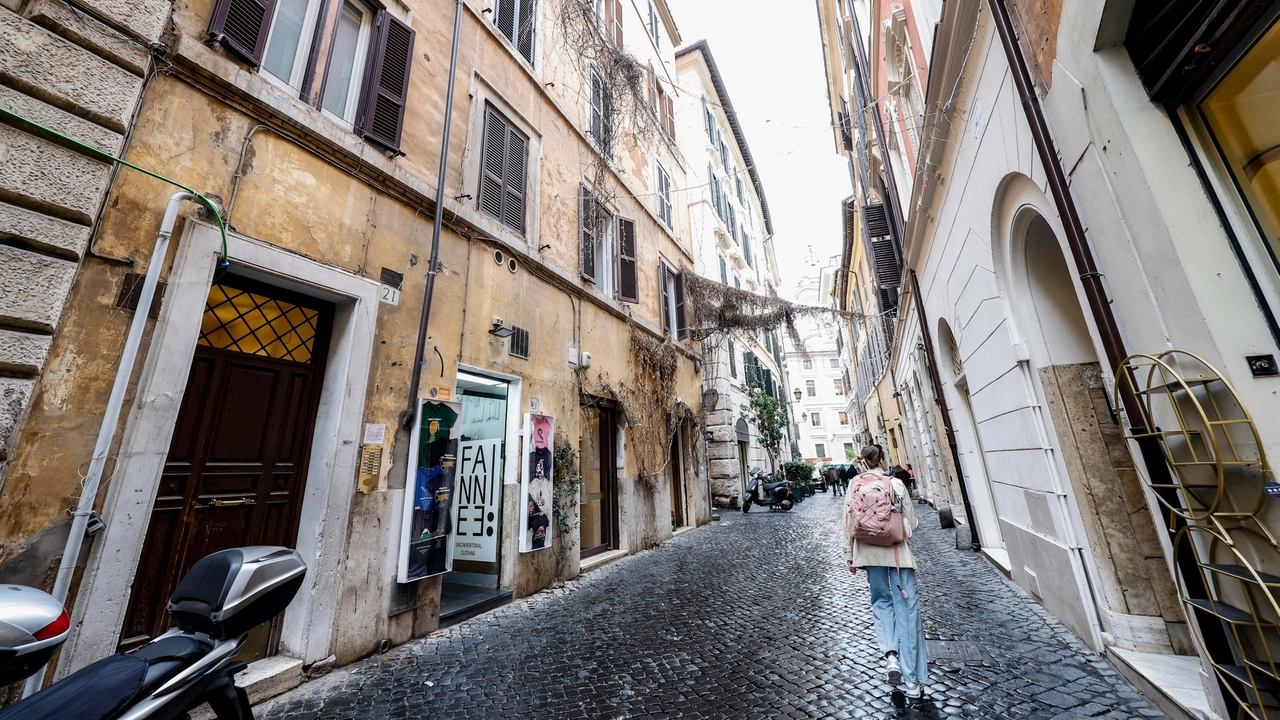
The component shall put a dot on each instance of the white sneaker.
(914, 690)
(891, 668)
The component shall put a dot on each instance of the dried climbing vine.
(621, 90)
(566, 495)
(717, 311)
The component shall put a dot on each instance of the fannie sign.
(479, 491)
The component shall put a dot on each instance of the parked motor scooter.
(761, 490)
(223, 597)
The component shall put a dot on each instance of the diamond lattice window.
(244, 322)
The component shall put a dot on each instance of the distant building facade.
(732, 235)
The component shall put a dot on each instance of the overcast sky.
(770, 55)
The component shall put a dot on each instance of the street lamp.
(798, 394)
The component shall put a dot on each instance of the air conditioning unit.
(518, 343)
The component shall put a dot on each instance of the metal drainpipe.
(110, 418)
(434, 266)
(931, 360)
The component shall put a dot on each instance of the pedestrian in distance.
(837, 486)
(879, 518)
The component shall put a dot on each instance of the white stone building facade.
(821, 416)
(732, 236)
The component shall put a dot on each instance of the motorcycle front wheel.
(746, 505)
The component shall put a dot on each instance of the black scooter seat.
(97, 692)
(105, 689)
(770, 487)
(169, 656)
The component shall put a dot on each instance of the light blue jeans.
(898, 625)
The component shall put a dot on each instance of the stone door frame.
(307, 631)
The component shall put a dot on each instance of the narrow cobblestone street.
(753, 616)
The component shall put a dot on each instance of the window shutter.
(653, 88)
(494, 163)
(242, 25)
(598, 113)
(669, 115)
(589, 229)
(628, 272)
(666, 299)
(524, 41)
(504, 16)
(682, 325)
(513, 202)
(724, 272)
(733, 361)
(617, 21)
(381, 117)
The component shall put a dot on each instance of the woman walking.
(879, 543)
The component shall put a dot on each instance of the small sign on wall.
(389, 291)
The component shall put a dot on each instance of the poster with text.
(479, 502)
(426, 534)
(535, 487)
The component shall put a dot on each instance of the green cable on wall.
(97, 154)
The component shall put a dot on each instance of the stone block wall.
(77, 70)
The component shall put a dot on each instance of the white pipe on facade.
(107, 431)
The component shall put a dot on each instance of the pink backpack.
(869, 516)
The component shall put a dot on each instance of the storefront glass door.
(478, 507)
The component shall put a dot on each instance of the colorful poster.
(536, 488)
(479, 500)
(426, 536)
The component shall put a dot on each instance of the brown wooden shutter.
(653, 88)
(682, 324)
(242, 25)
(613, 21)
(666, 299)
(587, 218)
(628, 270)
(513, 180)
(669, 113)
(493, 163)
(381, 117)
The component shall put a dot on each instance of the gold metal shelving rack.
(1215, 503)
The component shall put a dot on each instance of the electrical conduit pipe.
(107, 431)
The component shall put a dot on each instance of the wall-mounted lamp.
(499, 329)
(799, 394)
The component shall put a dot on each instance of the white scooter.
(217, 603)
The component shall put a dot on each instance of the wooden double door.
(237, 463)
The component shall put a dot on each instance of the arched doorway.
(969, 443)
(1095, 492)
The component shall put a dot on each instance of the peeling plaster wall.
(307, 197)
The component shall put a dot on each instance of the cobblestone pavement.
(754, 616)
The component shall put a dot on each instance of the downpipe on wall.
(110, 419)
(433, 268)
